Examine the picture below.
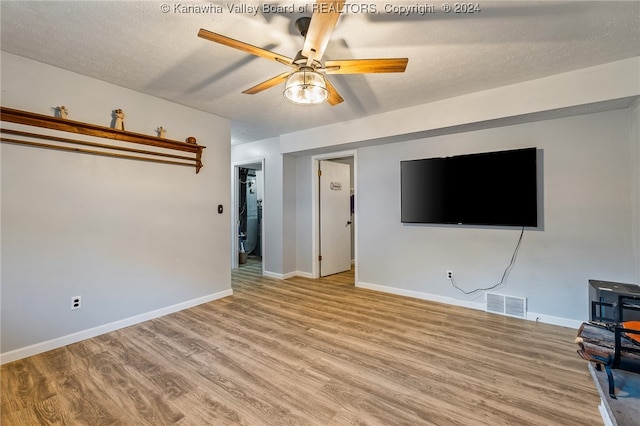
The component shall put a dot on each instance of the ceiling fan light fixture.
(306, 87)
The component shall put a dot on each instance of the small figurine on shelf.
(60, 112)
(119, 121)
(192, 140)
(64, 113)
(161, 131)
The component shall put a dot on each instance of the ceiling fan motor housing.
(302, 61)
(302, 25)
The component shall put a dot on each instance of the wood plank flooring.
(309, 352)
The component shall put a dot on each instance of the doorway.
(331, 220)
(248, 235)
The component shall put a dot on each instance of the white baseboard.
(604, 408)
(423, 296)
(287, 275)
(532, 316)
(606, 419)
(275, 275)
(549, 319)
(58, 342)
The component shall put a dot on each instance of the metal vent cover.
(506, 305)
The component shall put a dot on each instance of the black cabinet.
(614, 302)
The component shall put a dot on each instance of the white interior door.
(335, 217)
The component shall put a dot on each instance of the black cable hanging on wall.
(504, 274)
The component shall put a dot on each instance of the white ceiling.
(136, 45)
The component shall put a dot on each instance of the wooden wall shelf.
(157, 154)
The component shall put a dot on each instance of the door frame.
(235, 195)
(315, 208)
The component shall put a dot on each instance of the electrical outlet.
(449, 274)
(76, 302)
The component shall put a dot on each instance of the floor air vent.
(506, 305)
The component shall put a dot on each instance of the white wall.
(586, 221)
(134, 239)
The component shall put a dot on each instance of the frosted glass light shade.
(306, 87)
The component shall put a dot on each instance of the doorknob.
(348, 223)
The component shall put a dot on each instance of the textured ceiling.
(140, 46)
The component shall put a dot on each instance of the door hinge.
(320, 258)
(319, 172)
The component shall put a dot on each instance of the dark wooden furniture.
(608, 345)
(614, 302)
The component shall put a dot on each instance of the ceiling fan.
(306, 84)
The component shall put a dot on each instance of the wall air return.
(506, 305)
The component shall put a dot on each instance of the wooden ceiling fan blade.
(323, 21)
(267, 84)
(366, 66)
(334, 96)
(245, 47)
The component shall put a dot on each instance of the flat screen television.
(493, 188)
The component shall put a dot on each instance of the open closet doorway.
(334, 209)
(248, 238)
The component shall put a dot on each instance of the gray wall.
(587, 227)
(304, 222)
(587, 218)
(132, 238)
(590, 187)
(273, 201)
(635, 196)
(289, 213)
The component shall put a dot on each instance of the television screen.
(493, 188)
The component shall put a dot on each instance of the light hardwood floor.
(309, 352)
